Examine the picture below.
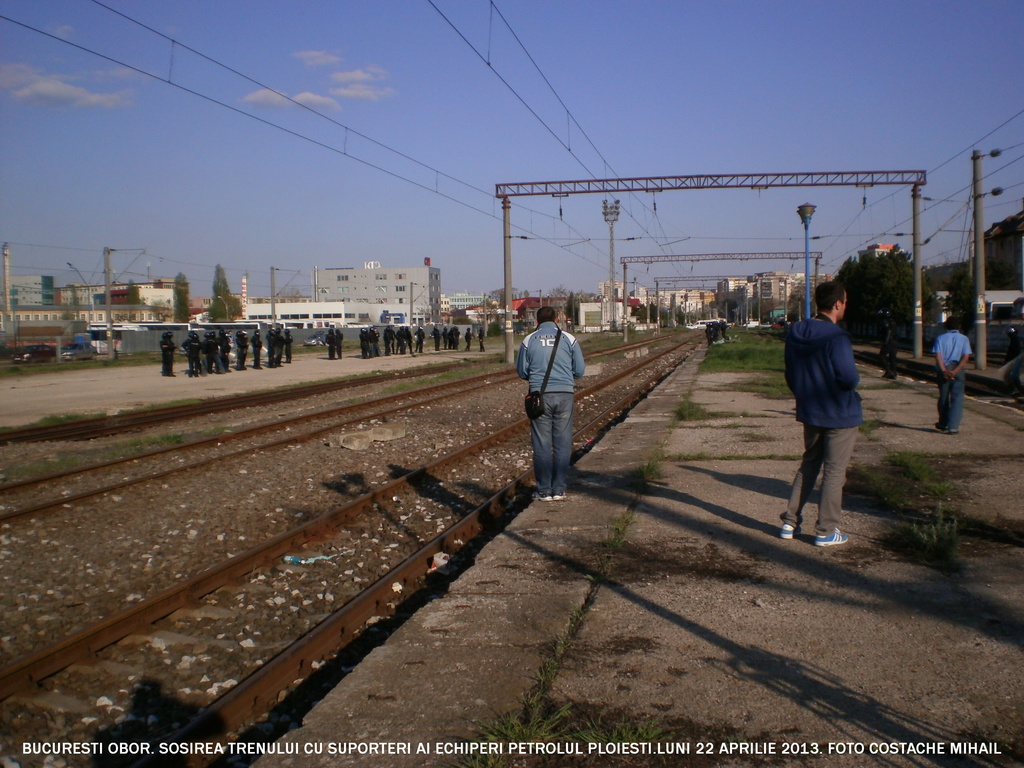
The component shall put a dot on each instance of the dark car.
(35, 353)
(316, 340)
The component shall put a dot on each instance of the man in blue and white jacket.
(822, 374)
(551, 433)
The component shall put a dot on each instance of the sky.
(296, 134)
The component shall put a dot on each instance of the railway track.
(22, 498)
(245, 612)
(980, 385)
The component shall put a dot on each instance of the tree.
(230, 306)
(181, 308)
(134, 294)
(877, 281)
(960, 301)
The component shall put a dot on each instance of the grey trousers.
(829, 449)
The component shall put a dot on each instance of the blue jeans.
(551, 435)
(951, 400)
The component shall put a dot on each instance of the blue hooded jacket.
(821, 373)
(535, 352)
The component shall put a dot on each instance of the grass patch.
(45, 466)
(770, 384)
(688, 410)
(933, 541)
(869, 426)
(646, 472)
(140, 444)
(618, 529)
(749, 352)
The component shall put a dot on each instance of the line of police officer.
(211, 354)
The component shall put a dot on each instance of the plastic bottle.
(294, 560)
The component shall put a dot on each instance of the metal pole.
(625, 304)
(506, 211)
(111, 351)
(273, 297)
(980, 322)
(807, 267)
(915, 196)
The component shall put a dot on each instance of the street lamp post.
(611, 215)
(805, 212)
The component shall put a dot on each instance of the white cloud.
(363, 92)
(316, 101)
(366, 75)
(65, 32)
(317, 58)
(360, 84)
(268, 98)
(32, 86)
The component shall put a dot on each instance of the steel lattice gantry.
(915, 179)
(660, 259)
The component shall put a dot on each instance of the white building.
(412, 291)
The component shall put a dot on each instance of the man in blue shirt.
(952, 353)
(823, 377)
(551, 433)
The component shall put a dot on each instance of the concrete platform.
(704, 619)
(111, 390)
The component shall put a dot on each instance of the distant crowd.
(212, 353)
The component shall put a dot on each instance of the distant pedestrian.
(224, 342)
(469, 338)
(167, 347)
(193, 347)
(1014, 360)
(889, 344)
(241, 349)
(436, 333)
(420, 336)
(952, 353)
(287, 345)
(329, 342)
(551, 433)
(480, 337)
(257, 347)
(822, 374)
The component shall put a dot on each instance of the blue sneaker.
(788, 531)
(831, 539)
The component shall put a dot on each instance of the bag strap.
(551, 361)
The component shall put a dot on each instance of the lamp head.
(805, 212)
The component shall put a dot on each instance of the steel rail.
(13, 514)
(257, 693)
(28, 670)
(102, 426)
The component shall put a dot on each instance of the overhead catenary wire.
(340, 151)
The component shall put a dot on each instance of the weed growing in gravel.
(646, 472)
(688, 410)
(933, 541)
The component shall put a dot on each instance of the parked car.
(35, 353)
(77, 350)
(315, 340)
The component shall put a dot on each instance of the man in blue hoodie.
(821, 373)
(551, 433)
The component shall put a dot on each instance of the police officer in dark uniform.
(287, 345)
(480, 337)
(889, 344)
(167, 346)
(257, 347)
(193, 348)
(436, 333)
(389, 340)
(211, 352)
(469, 337)
(420, 336)
(241, 349)
(329, 341)
(224, 342)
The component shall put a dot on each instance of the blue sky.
(136, 125)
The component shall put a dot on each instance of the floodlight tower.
(611, 215)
